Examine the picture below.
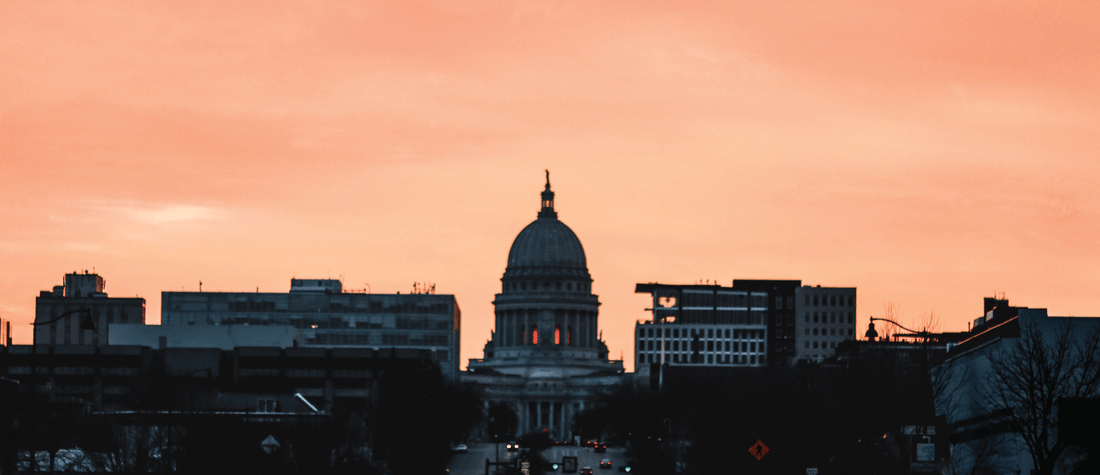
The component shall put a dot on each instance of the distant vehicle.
(605, 463)
(586, 471)
(461, 448)
(601, 448)
(513, 446)
(591, 443)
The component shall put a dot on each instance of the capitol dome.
(547, 243)
(547, 246)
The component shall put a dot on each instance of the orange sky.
(927, 152)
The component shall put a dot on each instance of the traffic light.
(624, 468)
(554, 466)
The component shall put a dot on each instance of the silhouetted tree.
(1027, 379)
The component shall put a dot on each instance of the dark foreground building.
(143, 409)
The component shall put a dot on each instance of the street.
(473, 461)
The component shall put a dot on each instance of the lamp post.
(872, 334)
(86, 324)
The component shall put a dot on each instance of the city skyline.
(928, 154)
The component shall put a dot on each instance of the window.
(815, 345)
(832, 301)
(779, 302)
(815, 332)
(557, 335)
(267, 405)
(815, 300)
(850, 317)
(815, 317)
(727, 346)
(807, 299)
(710, 358)
(535, 335)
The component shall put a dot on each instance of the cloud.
(165, 213)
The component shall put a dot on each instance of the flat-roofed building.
(63, 316)
(825, 316)
(330, 317)
(702, 325)
(225, 337)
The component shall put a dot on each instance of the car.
(461, 448)
(512, 446)
(586, 471)
(600, 448)
(605, 463)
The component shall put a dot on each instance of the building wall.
(82, 291)
(700, 344)
(824, 317)
(225, 337)
(333, 320)
(978, 435)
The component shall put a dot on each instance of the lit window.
(557, 335)
(534, 335)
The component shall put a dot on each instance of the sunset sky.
(929, 153)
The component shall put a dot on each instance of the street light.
(86, 324)
(872, 334)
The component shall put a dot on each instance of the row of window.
(831, 300)
(545, 286)
(709, 345)
(832, 332)
(385, 339)
(710, 333)
(710, 359)
(832, 344)
(829, 317)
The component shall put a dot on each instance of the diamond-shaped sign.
(758, 449)
(269, 445)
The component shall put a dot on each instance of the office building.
(330, 317)
(702, 325)
(824, 317)
(752, 323)
(79, 311)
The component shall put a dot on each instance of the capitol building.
(545, 358)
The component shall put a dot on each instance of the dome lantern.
(548, 201)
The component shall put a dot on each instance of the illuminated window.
(557, 335)
(569, 338)
(535, 335)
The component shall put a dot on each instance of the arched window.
(557, 335)
(535, 335)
